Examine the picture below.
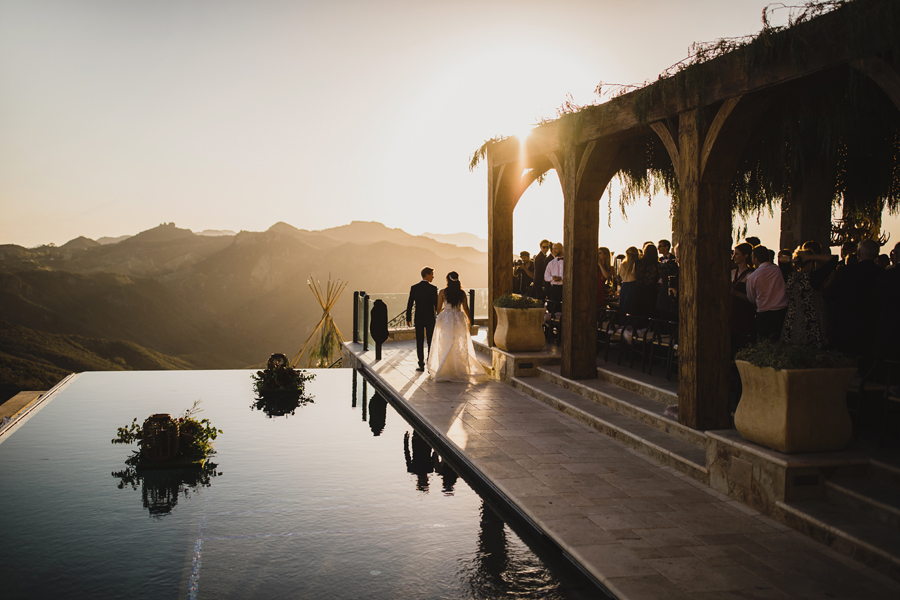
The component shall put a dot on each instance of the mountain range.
(170, 298)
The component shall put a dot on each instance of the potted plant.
(794, 397)
(520, 321)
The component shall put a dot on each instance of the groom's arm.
(409, 305)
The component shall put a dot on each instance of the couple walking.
(451, 354)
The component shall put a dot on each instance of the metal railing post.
(472, 305)
(365, 332)
(355, 320)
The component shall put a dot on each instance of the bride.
(452, 355)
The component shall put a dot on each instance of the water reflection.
(161, 488)
(422, 460)
(280, 403)
(503, 568)
(377, 413)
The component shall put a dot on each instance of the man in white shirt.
(766, 289)
(553, 276)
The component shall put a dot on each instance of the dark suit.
(424, 296)
(855, 307)
(540, 263)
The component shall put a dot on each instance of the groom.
(424, 296)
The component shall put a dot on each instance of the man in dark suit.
(855, 303)
(540, 263)
(424, 296)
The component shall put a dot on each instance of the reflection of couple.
(451, 354)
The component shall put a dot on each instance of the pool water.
(341, 499)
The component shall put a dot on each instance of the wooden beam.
(726, 78)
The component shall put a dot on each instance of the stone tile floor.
(646, 531)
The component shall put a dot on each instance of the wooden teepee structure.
(318, 353)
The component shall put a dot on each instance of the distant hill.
(216, 232)
(37, 360)
(80, 243)
(103, 241)
(210, 301)
(460, 239)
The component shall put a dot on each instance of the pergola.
(705, 133)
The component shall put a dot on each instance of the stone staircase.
(859, 515)
(626, 409)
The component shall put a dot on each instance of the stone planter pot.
(520, 329)
(793, 411)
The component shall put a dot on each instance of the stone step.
(663, 447)
(654, 387)
(628, 402)
(833, 523)
(875, 495)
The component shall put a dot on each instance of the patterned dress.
(806, 321)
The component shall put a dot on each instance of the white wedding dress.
(452, 354)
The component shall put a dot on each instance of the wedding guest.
(604, 274)
(525, 272)
(895, 256)
(753, 241)
(540, 264)
(666, 304)
(553, 277)
(627, 281)
(848, 254)
(646, 276)
(765, 289)
(805, 322)
(854, 303)
(786, 263)
(743, 312)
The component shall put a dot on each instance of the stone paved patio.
(646, 531)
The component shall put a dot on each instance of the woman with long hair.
(626, 278)
(604, 261)
(451, 356)
(646, 280)
(743, 312)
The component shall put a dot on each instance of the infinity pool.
(341, 499)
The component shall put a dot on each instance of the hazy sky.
(118, 115)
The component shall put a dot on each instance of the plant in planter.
(165, 442)
(279, 378)
(520, 322)
(794, 397)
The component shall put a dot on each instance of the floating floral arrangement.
(167, 442)
(280, 377)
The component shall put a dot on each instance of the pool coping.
(22, 416)
(499, 501)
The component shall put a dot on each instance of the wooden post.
(581, 219)
(500, 238)
(806, 215)
(703, 334)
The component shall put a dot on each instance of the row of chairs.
(635, 336)
(653, 340)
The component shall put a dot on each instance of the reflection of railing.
(396, 305)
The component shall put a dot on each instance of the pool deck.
(644, 530)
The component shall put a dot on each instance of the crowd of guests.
(810, 297)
